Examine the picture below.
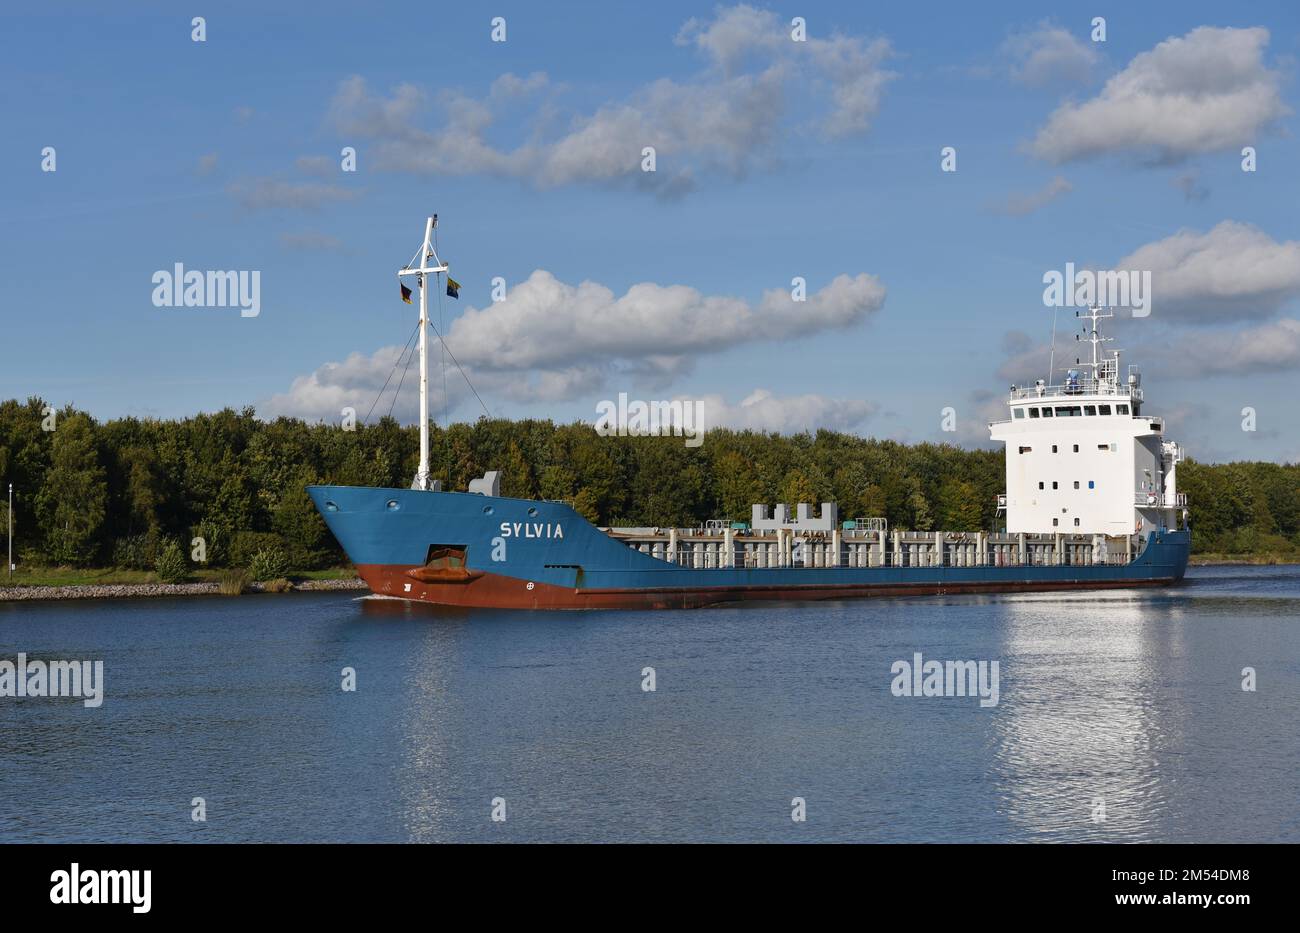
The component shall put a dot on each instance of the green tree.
(737, 487)
(797, 488)
(959, 505)
(919, 505)
(299, 523)
(517, 478)
(143, 489)
(872, 502)
(72, 502)
(558, 483)
(586, 504)
(233, 507)
(172, 566)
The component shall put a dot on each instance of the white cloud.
(318, 165)
(355, 382)
(547, 324)
(354, 112)
(727, 119)
(761, 410)
(737, 34)
(1189, 184)
(972, 420)
(1024, 360)
(1018, 205)
(311, 241)
(852, 65)
(1233, 271)
(1206, 91)
(271, 193)
(551, 341)
(1270, 347)
(1049, 54)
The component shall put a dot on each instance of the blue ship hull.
(520, 553)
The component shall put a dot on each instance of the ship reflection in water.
(1079, 746)
(425, 743)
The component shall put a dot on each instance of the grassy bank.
(27, 575)
(1260, 559)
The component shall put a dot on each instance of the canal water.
(1120, 716)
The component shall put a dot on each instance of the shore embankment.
(138, 590)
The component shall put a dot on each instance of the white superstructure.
(1083, 457)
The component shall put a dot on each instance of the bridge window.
(1090, 410)
(1047, 413)
(1033, 412)
(1069, 411)
(1121, 409)
(1104, 409)
(1018, 412)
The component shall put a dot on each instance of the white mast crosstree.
(422, 273)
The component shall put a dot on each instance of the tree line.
(120, 492)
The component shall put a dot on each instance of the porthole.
(393, 505)
(532, 511)
(487, 510)
(331, 507)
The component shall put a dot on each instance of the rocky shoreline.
(136, 590)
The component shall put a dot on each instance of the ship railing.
(998, 551)
(1155, 500)
(1081, 387)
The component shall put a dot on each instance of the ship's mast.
(1096, 339)
(422, 272)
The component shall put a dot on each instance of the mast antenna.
(1051, 363)
(1096, 339)
(427, 254)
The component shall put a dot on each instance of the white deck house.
(1083, 458)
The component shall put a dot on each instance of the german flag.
(406, 293)
(453, 288)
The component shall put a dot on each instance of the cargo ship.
(1091, 502)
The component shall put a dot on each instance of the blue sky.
(774, 160)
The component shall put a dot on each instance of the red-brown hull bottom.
(493, 591)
